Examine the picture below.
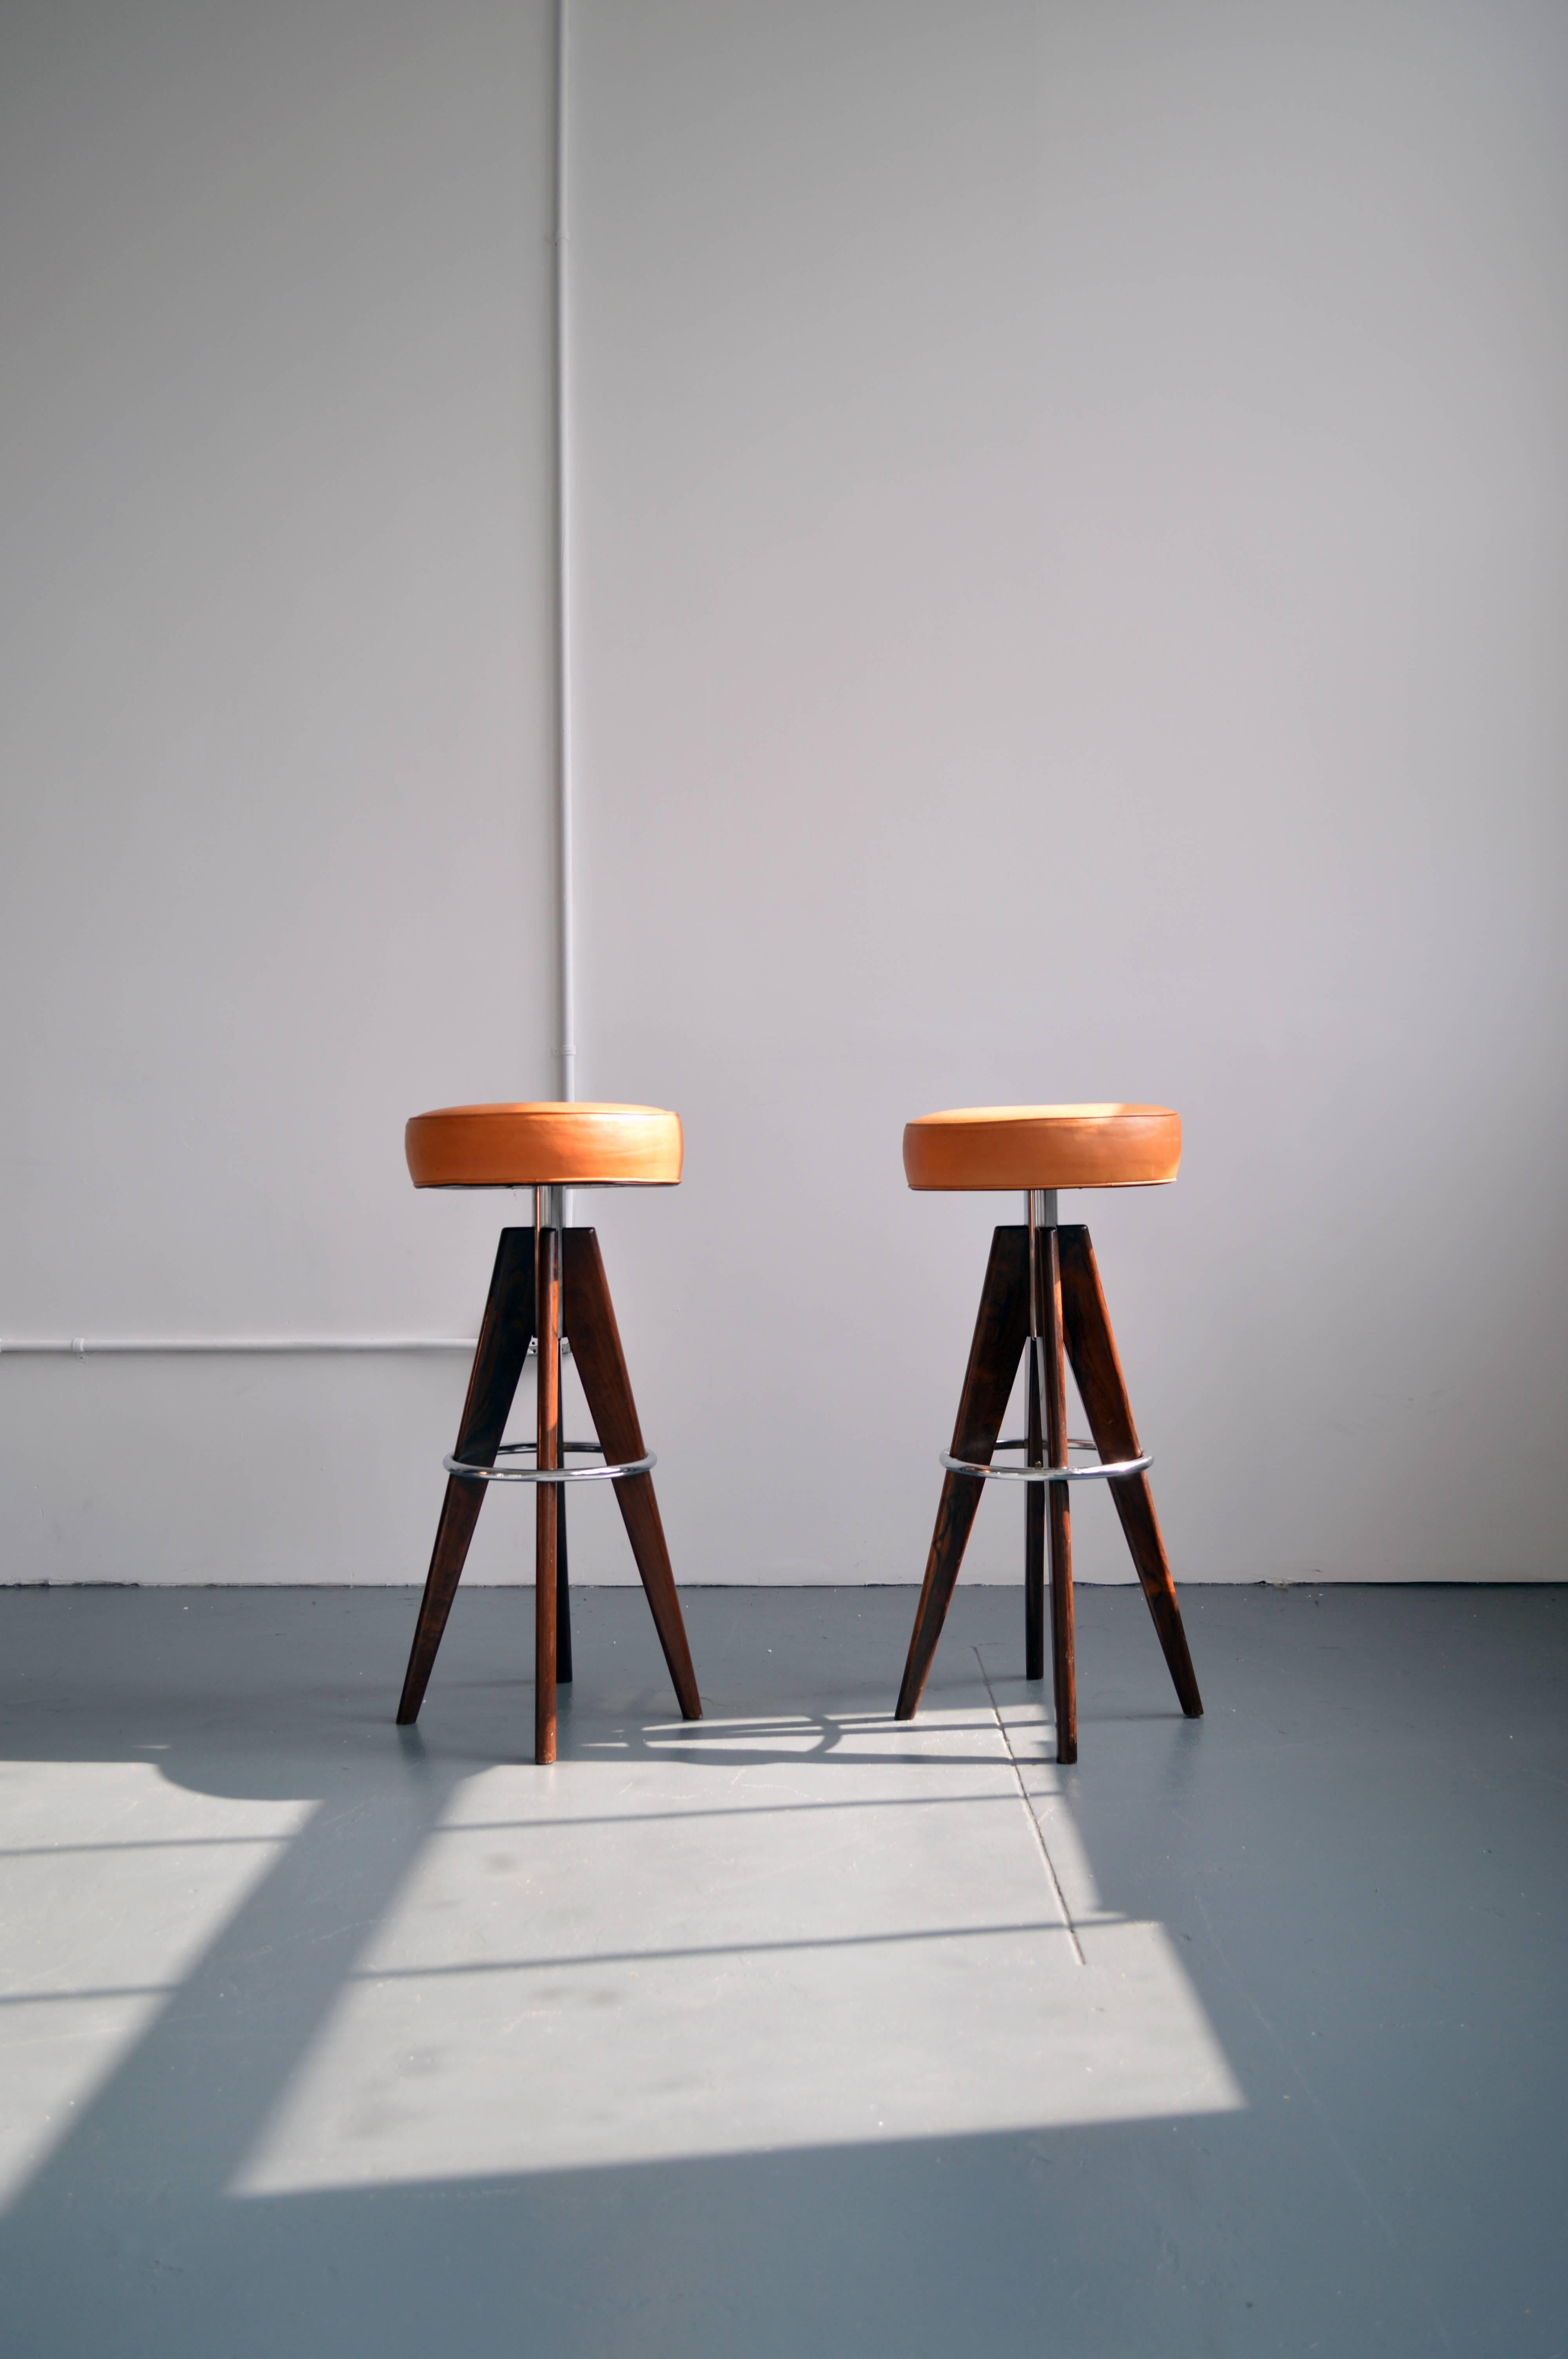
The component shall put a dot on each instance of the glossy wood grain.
(543, 1144)
(1045, 1146)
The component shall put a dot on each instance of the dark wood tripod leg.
(589, 1318)
(503, 1340)
(999, 1331)
(563, 1597)
(1092, 1349)
(1058, 1506)
(546, 1495)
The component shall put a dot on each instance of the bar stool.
(1043, 1288)
(548, 1285)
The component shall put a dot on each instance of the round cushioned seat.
(547, 1145)
(1045, 1146)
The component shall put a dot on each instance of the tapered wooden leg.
(1035, 1535)
(601, 1367)
(1092, 1349)
(547, 1324)
(563, 1596)
(999, 1331)
(503, 1340)
(1058, 1507)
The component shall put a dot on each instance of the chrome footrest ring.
(470, 1473)
(1096, 1473)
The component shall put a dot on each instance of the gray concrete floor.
(794, 2030)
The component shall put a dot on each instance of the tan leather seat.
(1045, 1146)
(545, 1145)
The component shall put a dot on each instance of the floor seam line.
(1033, 1816)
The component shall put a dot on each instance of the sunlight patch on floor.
(744, 1937)
(112, 1882)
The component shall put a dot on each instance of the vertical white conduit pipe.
(566, 911)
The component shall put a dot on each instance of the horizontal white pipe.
(82, 1347)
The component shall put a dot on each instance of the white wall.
(1071, 533)
(275, 745)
